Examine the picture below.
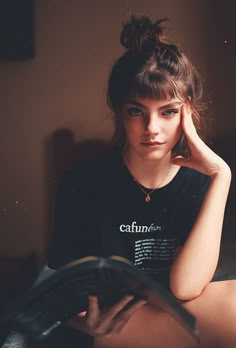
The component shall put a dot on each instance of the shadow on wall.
(61, 153)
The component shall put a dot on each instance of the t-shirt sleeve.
(70, 238)
(194, 198)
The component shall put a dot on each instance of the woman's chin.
(147, 154)
(153, 155)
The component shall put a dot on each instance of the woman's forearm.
(196, 262)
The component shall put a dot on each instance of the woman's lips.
(153, 144)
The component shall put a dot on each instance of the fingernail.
(129, 297)
(92, 297)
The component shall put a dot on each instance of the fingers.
(119, 305)
(122, 319)
(93, 310)
(116, 317)
(187, 122)
(182, 161)
(109, 321)
(87, 321)
(113, 311)
(132, 309)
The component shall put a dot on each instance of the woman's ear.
(188, 99)
(188, 103)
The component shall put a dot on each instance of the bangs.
(154, 85)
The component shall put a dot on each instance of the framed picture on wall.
(16, 29)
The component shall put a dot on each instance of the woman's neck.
(150, 173)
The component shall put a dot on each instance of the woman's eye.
(171, 112)
(135, 112)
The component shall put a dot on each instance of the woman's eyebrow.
(134, 102)
(171, 105)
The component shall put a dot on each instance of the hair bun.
(140, 34)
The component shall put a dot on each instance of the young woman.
(161, 186)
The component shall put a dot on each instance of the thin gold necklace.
(148, 194)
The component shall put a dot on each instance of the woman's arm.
(196, 262)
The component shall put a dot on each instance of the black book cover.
(56, 299)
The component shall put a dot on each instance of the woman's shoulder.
(95, 167)
(193, 178)
(193, 174)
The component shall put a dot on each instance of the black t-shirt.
(100, 210)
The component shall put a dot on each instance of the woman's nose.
(153, 124)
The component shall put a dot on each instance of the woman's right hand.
(97, 322)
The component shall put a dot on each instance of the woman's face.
(152, 127)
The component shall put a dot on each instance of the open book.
(56, 299)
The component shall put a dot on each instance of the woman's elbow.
(185, 292)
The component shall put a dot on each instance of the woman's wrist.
(222, 172)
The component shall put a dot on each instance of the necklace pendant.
(147, 199)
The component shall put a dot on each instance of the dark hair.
(152, 67)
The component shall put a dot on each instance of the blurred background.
(53, 95)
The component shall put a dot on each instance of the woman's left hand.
(202, 158)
